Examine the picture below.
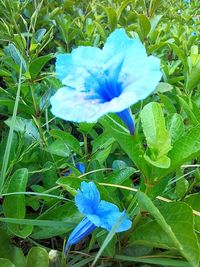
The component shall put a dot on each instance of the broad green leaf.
(68, 139)
(37, 65)
(25, 126)
(13, 52)
(14, 205)
(176, 220)
(187, 147)
(95, 168)
(144, 25)
(151, 234)
(50, 175)
(119, 176)
(37, 256)
(154, 22)
(59, 148)
(38, 35)
(6, 263)
(102, 146)
(163, 87)
(157, 136)
(118, 165)
(175, 126)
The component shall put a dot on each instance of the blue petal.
(128, 120)
(107, 216)
(83, 229)
(88, 198)
(74, 70)
(81, 167)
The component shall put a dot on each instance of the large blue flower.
(98, 213)
(99, 81)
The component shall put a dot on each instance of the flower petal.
(88, 198)
(78, 69)
(83, 229)
(140, 73)
(126, 117)
(107, 215)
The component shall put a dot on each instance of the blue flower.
(98, 81)
(80, 166)
(187, 1)
(98, 213)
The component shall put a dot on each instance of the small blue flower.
(193, 33)
(98, 213)
(98, 81)
(187, 1)
(80, 166)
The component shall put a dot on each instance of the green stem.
(85, 148)
(10, 135)
(37, 116)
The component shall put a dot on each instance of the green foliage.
(39, 153)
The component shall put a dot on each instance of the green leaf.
(119, 176)
(68, 139)
(24, 126)
(163, 87)
(180, 53)
(182, 186)
(187, 147)
(193, 201)
(112, 18)
(14, 205)
(154, 22)
(151, 234)
(50, 175)
(154, 5)
(167, 101)
(157, 136)
(8, 251)
(13, 52)
(37, 256)
(188, 110)
(38, 35)
(144, 25)
(37, 64)
(175, 127)
(176, 220)
(153, 260)
(193, 77)
(102, 146)
(6, 263)
(130, 144)
(58, 148)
